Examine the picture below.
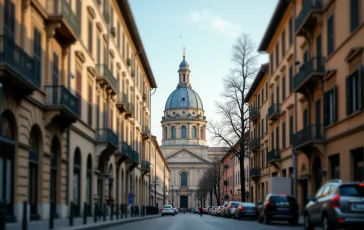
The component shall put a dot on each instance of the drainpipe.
(294, 153)
(68, 129)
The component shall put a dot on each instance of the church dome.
(184, 97)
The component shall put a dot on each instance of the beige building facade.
(75, 115)
(316, 92)
(159, 176)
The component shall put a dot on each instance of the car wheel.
(307, 223)
(266, 219)
(172, 214)
(326, 223)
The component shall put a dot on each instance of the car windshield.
(167, 206)
(279, 199)
(352, 190)
(248, 205)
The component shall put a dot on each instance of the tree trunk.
(242, 172)
(210, 196)
(216, 195)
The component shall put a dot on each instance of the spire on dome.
(184, 72)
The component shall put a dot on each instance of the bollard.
(51, 215)
(84, 213)
(99, 211)
(117, 210)
(2, 215)
(111, 211)
(95, 214)
(24, 223)
(71, 214)
(104, 214)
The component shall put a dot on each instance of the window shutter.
(361, 87)
(334, 105)
(348, 96)
(326, 108)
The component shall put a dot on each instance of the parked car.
(278, 207)
(211, 210)
(195, 210)
(175, 211)
(336, 205)
(222, 210)
(218, 210)
(167, 210)
(246, 210)
(229, 210)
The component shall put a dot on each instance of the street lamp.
(172, 197)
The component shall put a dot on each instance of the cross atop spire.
(184, 52)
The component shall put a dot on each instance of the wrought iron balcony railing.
(274, 155)
(274, 111)
(107, 135)
(254, 172)
(310, 133)
(314, 66)
(305, 11)
(102, 71)
(145, 165)
(254, 144)
(254, 113)
(59, 95)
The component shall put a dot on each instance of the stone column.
(188, 134)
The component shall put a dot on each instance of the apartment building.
(159, 176)
(315, 97)
(75, 113)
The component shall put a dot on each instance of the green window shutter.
(326, 107)
(348, 96)
(334, 105)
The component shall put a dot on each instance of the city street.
(195, 222)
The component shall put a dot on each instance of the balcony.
(309, 16)
(145, 132)
(309, 74)
(254, 144)
(17, 68)
(106, 79)
(121, 102)
(129, 113)
(254, 114)
(106, 135)
(63, 20)
(254, 173)
(128, 155)
(274, 111)
(308, 138)
(145, 166)
(274, 156)
(61, 106)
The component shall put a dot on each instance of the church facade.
(184, 143)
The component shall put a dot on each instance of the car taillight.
(282, 195)
(162, 208)
(335, 201)
(171, 208)
(267, 203)
(231, 206)
(361, 184)
(241, 208)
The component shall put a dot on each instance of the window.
(183, 131)
(258, 101)
(98, 50)
(291, 129)
(283, 135)
(277, 55)
(272, 140)
(277, 137)
(90, 36)
(262, 95)
(266, 90)
(173, 132)
(277, 93)
(9, 17)
(283, 88)
(258, 130)
(89, 118)
(283, 43)
(262, 127)
(290, 72)
(335, 166)
(118, 41)
(266, 123)
(123, 49)
(165, 133)
(193, 131)
(358, 163)
(330, 106)
(305, 117)
(354, 91)
(290, 30)
(79, 92)
(271, 63)
(330, 35)
(354, 14)
(37, 54)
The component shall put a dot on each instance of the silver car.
(167, 210)
(229, 210)
(336, 205)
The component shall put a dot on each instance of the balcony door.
(318, 118)
(55, 79)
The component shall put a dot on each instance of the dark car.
(246, 210)
(336, 205)
(278, 207)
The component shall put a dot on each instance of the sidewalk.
(77, 223)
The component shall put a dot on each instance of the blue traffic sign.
(131, 198)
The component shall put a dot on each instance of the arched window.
(184, 179)
(201, 133)
(77, 182)
(33, 171)
(193, 132)
(165, 133)
(89, 183)
(183, 132)
(6, 127)
(173, 132)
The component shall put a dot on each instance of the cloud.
(208, 21)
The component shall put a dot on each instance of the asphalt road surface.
(195, 222)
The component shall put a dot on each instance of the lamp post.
(164, 195)
(172, 197)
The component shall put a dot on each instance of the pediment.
(185, 156)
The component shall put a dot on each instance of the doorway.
(316, 171)
(183, 202)
(304, 193)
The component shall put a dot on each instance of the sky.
(207, 29)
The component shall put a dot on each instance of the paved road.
(194, 222)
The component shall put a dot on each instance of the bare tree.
(233, 124)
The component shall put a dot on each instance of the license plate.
(359, 206)
(282, 209)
